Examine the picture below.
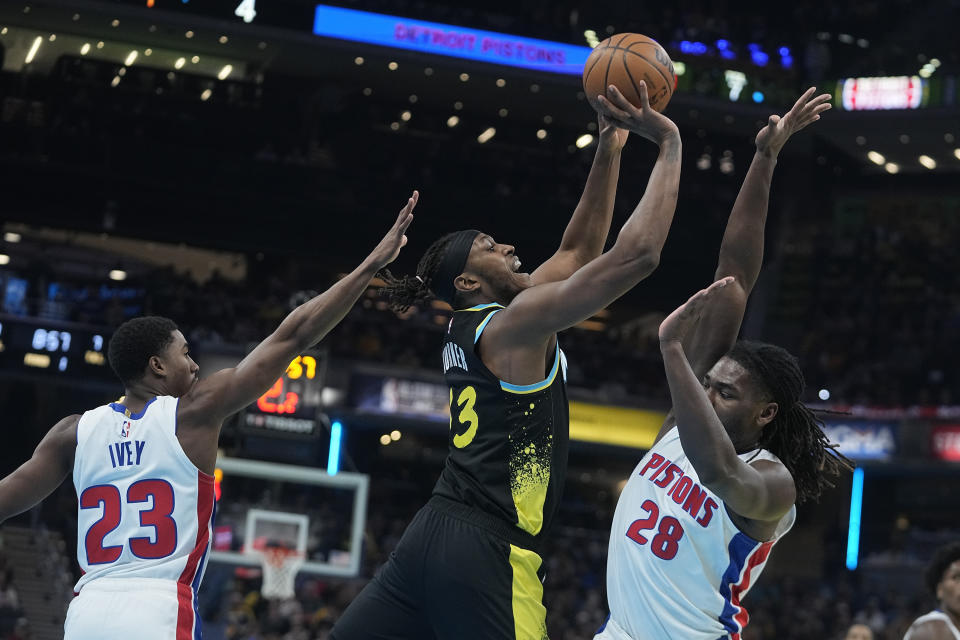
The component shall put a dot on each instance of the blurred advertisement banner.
(863, 440)
(945, 442)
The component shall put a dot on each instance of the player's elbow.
(642, 263)
(744, 278)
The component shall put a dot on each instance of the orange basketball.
(623, 60)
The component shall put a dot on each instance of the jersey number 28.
(666, 542)
(158, 516)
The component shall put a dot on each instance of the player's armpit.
(39, 476)
(761, 491)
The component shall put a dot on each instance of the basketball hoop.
(280, 567)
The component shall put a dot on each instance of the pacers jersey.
(508, 443)
(677, 565)
(145, 510)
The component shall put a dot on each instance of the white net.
(280, 567)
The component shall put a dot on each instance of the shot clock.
(292, 404)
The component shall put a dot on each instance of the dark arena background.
(216, 162)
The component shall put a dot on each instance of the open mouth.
(516, 264)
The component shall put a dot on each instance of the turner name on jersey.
(453, 356)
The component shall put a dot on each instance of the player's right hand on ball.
(389, 248)
(645, 121)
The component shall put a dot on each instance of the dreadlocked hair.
(404, 292)
(795, 435)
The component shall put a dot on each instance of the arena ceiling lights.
(30, 49)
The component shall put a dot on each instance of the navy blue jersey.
(508, 443)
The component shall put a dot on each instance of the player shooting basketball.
(469, 564)
(698, 517)
(142, 465)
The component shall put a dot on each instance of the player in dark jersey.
(469, 564)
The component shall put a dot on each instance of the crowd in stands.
(891, 285)
(875, 313)
(12, 625)
(781, 608)
(876, 318)
(881, 301)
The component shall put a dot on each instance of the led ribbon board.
(872, 94)
(449, 40)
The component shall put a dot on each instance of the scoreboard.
(54, 348)
(291, 406)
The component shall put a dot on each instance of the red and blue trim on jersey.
(746, 554)
(188, 617)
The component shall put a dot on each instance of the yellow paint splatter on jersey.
(530, 462)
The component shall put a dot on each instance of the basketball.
(623, 60)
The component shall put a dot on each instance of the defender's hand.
(778, 130)
(389, 248)
(645, 121)
(678, 324)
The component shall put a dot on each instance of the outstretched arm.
(540, 311)
(741, 252)
(229, 390)
(761, 491)
(587, 230)
(37, 478)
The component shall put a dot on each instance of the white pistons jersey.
(677, 565)
(145, 510)
(934, 616)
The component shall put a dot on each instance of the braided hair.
(795, 435)
(404, 292)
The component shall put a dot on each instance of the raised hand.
(676, 326)
(778, 130)
(645, 121)
(612, 137)
(389, 248)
